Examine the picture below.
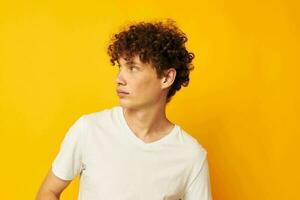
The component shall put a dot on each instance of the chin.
(125, 104)
(129, 105)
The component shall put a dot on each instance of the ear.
(168, 78)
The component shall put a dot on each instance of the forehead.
(133, 60)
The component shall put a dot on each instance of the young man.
(132, 151)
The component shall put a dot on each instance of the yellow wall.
(242, 103)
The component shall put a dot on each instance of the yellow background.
(242, 103)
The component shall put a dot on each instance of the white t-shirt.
(114, 164)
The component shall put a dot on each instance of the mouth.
(121, 93)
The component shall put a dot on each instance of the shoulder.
(98, 117)
(195, 147)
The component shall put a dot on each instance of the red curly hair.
(159, 43)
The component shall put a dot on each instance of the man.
(132, 151)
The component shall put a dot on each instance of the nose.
(120, 79)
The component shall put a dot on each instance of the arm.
(66, 165)
(200, 186)
(52, 187)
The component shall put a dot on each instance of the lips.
(122, 91)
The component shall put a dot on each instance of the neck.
(148, 122)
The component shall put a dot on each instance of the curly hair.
(159, 43)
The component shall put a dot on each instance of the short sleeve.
(67, 163)
(199, 187)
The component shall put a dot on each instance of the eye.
(131, 68)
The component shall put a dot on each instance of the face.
(140, 82)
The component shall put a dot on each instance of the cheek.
(147, 86)
(141, 85)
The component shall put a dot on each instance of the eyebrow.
(130, 62)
